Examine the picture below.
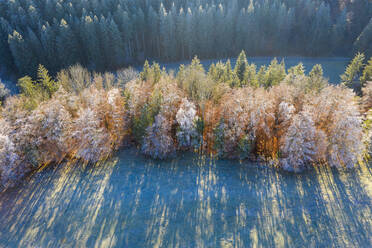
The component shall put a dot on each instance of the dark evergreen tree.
(364, 41)
(92, 49)
(22, 53)
(36, 46)
(321, 31)
(48, 42)
(6, 58)
(66, 41)
(241, 65)
(117, 45)
(105, 43)
(339, 36)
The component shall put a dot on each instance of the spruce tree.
(364, 41)
(156, 72)
(46, 82)
(33, 17)
(118, 50)
(229, 76)
(144, 75)
(339, 34)
(180, 32)
(47, 39)
(153, 32)
(275, 73)
(6, 55)
(250, 76)
(220, 36)
(22, 54)
(35, 45)
(322, 28)
(105, 44)
(367, 73)
(92, 46)
(353, 70)
(165, 29)
(67, 48)
(298, 70)
(240, 67)
(190, 28)
(140, 30)
(128, 30)
(317, 71)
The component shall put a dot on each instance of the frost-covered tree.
(302, 143)
(47, 132)
(117, 117)
(90, 139)
(186, 119)
(335, 111)
(74, 79)
(346, 143)
(9, 159)
(158, 142)
(236, 114)
(126, 75)
(285, 113)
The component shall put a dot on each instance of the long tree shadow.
(190, 201)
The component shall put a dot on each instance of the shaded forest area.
(109, 34)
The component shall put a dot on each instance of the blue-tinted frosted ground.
(187, 202)
(333, 67)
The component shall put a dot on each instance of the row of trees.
(107, 34)
(357, 73)
(283, 116)
(77, 115)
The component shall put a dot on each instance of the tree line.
(292, 119)
(109, 34)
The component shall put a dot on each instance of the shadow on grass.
(187, 202)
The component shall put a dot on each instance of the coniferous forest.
(109, 34)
